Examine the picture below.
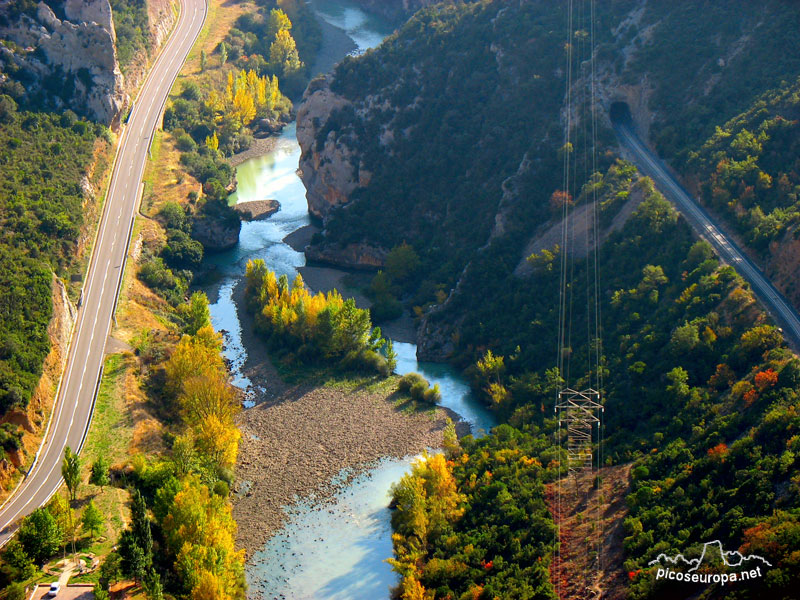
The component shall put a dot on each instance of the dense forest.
(685, 339)
(43, 157)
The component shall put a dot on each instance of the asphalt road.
(778, 307)
(75, 401)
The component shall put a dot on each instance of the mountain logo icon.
(713, 553)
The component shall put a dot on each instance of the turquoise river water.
(339, 552)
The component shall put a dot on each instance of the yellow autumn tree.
(195, 354)
(218, 440)
(208, 587)
(208, 394)
(212, 141)
(200, 531)
(244, 106)
(283, 55)
(427, 501)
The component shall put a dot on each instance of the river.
(339, 552)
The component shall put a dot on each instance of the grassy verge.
(110, 437)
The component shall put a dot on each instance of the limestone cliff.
(329, 168)
(72, 62)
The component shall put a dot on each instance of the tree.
(401, 262)
(152, 585)
(684, 339)
(99, 474)
(196, 313)
(202, 60)
(100, 592)
(194, 355)
(8, 108)
(71, 472)
(491, 367)
(133, 559)
(278, 21)
(391, 356)
(111, 569)
(183, 455)
(92, 519)
(182, 251)
(15, 591)
(140, 524)
(40, 535)
(200, 530)
(218, 440)
(223, 53)
(283, 55)
(17, 565)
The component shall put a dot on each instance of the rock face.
(362, 257)
(74, 61)
(161, 19)
(329, 168)
(216, 234)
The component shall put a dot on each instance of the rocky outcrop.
(329, 168)
(782, 266)
(362, 257)
(91, 11)
(74, 61)
(161, 18)
(216, 234)
(255, 210)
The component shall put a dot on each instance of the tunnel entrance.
(620, 113)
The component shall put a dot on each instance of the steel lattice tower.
(581, 412)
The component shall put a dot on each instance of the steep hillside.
(434, 137)
(440, 153)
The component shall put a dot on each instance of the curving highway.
(72, 413)
(778, 307)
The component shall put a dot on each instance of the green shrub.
(185, 143)
(408, 380)
(432, 395)
(386, 308)
(221, 489)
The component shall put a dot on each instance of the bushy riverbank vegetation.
(282, 38)
(317, 328)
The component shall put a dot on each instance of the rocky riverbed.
(293, 446)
